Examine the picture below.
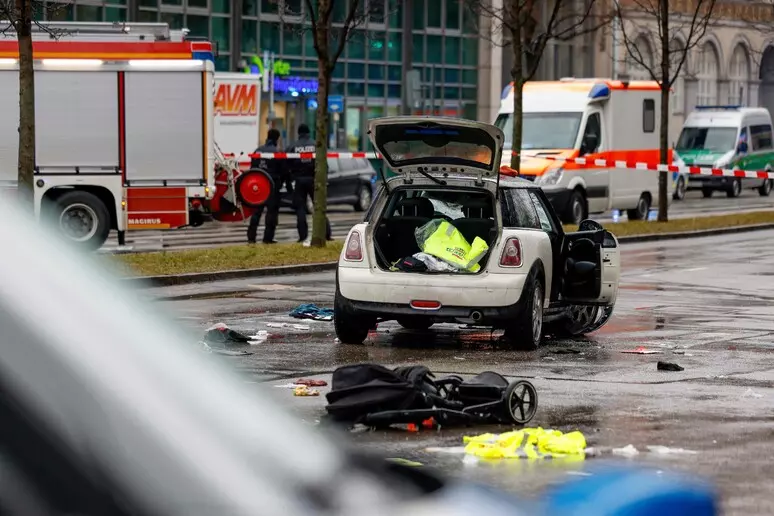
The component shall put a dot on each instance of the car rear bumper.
(491, 299)
(484, 315)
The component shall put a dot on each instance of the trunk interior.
(471, 211)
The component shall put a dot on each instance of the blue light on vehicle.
(373, 179)
(599, 91)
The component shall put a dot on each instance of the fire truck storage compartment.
(76, 121)
(165, 126)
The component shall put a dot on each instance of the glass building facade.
(439, 38)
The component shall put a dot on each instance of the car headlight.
(550, 177)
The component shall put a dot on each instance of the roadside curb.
(655, 237)
(205, 277)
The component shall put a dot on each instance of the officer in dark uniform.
(273, 167)
(302, 170)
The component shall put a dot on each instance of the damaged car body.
(448, 239)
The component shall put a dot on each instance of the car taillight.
(511, 256)
(354, 252)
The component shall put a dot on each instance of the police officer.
(274, 168)
(303, 173)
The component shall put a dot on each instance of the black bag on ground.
(361, 389)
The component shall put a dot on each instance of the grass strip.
(642, 227)
(224, 258)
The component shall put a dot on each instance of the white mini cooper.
(535, 279)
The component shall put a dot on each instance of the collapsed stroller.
(375, 396)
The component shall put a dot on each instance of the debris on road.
(222, 334)
(303, 390)
(749, 393)
(453, 450)
(641, 350)
(311, 311)
(529, 443)
(220, 351)
(405, 462)
(669, 366)
(626, 451)
(664, 450)
(287, 386)
(311, 382)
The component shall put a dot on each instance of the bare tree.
(330, 34)
(651, 21)
(517, 25)
(21, 16)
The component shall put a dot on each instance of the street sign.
(335, 103)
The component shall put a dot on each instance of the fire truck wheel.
(82, 218)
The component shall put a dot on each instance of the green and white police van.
(726, 137)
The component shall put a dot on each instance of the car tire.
(350, 328)
(765, 189)
(680, 189)
(526, 332)
(415, 323)
(707, 192)
(735, 190)
(91, 213)
(363, 198)
(642, 209)
(577, 208)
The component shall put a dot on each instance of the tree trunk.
(517, 75)
(26, 158)
(324, 70)
(663, 144)
(321, 159)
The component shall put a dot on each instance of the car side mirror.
(589, 143)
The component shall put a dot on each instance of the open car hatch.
(438, 147)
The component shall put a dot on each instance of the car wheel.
(415, 323)
(680, 189)
(641, 211)
(526, 332)
(577, 208)
(707, 192)
(735, 190)
(350, 328)
(580, 318)
(765, 189)
(363, 198)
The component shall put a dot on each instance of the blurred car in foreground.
(108, 408)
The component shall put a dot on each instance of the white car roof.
(516, 182)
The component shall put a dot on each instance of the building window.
(707, 75)
(739, 75)
(678, 86)
(270, 37)
(418, 14)
(452, 50)
(642, 54)
(453, 14)
(470, 52)
(434, 12)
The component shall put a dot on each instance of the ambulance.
(124, 127)
(591, 119)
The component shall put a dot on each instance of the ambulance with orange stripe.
(124, 127)
(590, 119)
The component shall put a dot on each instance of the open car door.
(438, 147)
(591, 266)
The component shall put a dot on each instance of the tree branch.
(349, 24)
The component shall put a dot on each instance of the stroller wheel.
(521, 401)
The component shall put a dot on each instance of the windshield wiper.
(431, 178)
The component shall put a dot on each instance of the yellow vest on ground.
(529, 443)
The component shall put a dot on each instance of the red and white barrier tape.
(601, 163)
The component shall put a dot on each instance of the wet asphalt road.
(706, 304)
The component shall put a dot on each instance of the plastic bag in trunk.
(441, 239)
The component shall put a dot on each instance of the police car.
(533, 278)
